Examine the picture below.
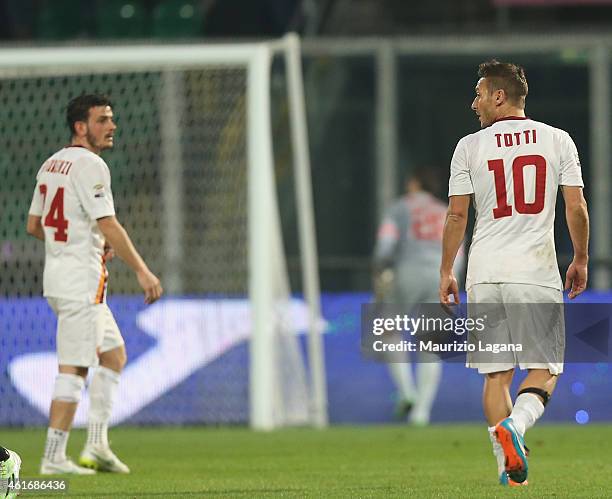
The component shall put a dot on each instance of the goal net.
(207, 135)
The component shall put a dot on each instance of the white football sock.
(102, 390)
(498, 452)
(55, 447)
(527, 410)
(428, 380)
(401, 373)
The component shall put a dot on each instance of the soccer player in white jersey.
(406, 256)
(73, 212)
(512, 169)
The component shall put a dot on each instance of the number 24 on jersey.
(55, 216)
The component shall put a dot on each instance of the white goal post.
(295, 392)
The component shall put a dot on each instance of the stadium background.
(434, 88)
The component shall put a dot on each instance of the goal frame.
(264, 239)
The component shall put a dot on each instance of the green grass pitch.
(346, 461)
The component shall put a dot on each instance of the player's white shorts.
(531, 316)
(83, 332)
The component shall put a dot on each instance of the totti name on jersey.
(516, 138)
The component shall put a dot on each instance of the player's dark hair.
(428, 176)
(78, 108)
(507, 77)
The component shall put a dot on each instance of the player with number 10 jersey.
(511, 170)
(514, 167)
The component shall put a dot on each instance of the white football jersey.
(73, 190)
(513, 169)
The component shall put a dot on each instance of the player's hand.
(448, 288)
(383, 284)
(150, 284)
(576, 278)
(109, 252)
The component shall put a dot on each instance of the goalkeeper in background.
(408, 249)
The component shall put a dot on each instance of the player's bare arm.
(34, 227)
(577, 217)
(454, 232)
(119, 240)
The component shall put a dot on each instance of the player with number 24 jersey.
(78, 183)
(72, 211)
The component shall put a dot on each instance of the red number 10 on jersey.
(55, 217)
(503, 209)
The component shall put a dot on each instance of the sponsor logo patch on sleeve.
(98, 190)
